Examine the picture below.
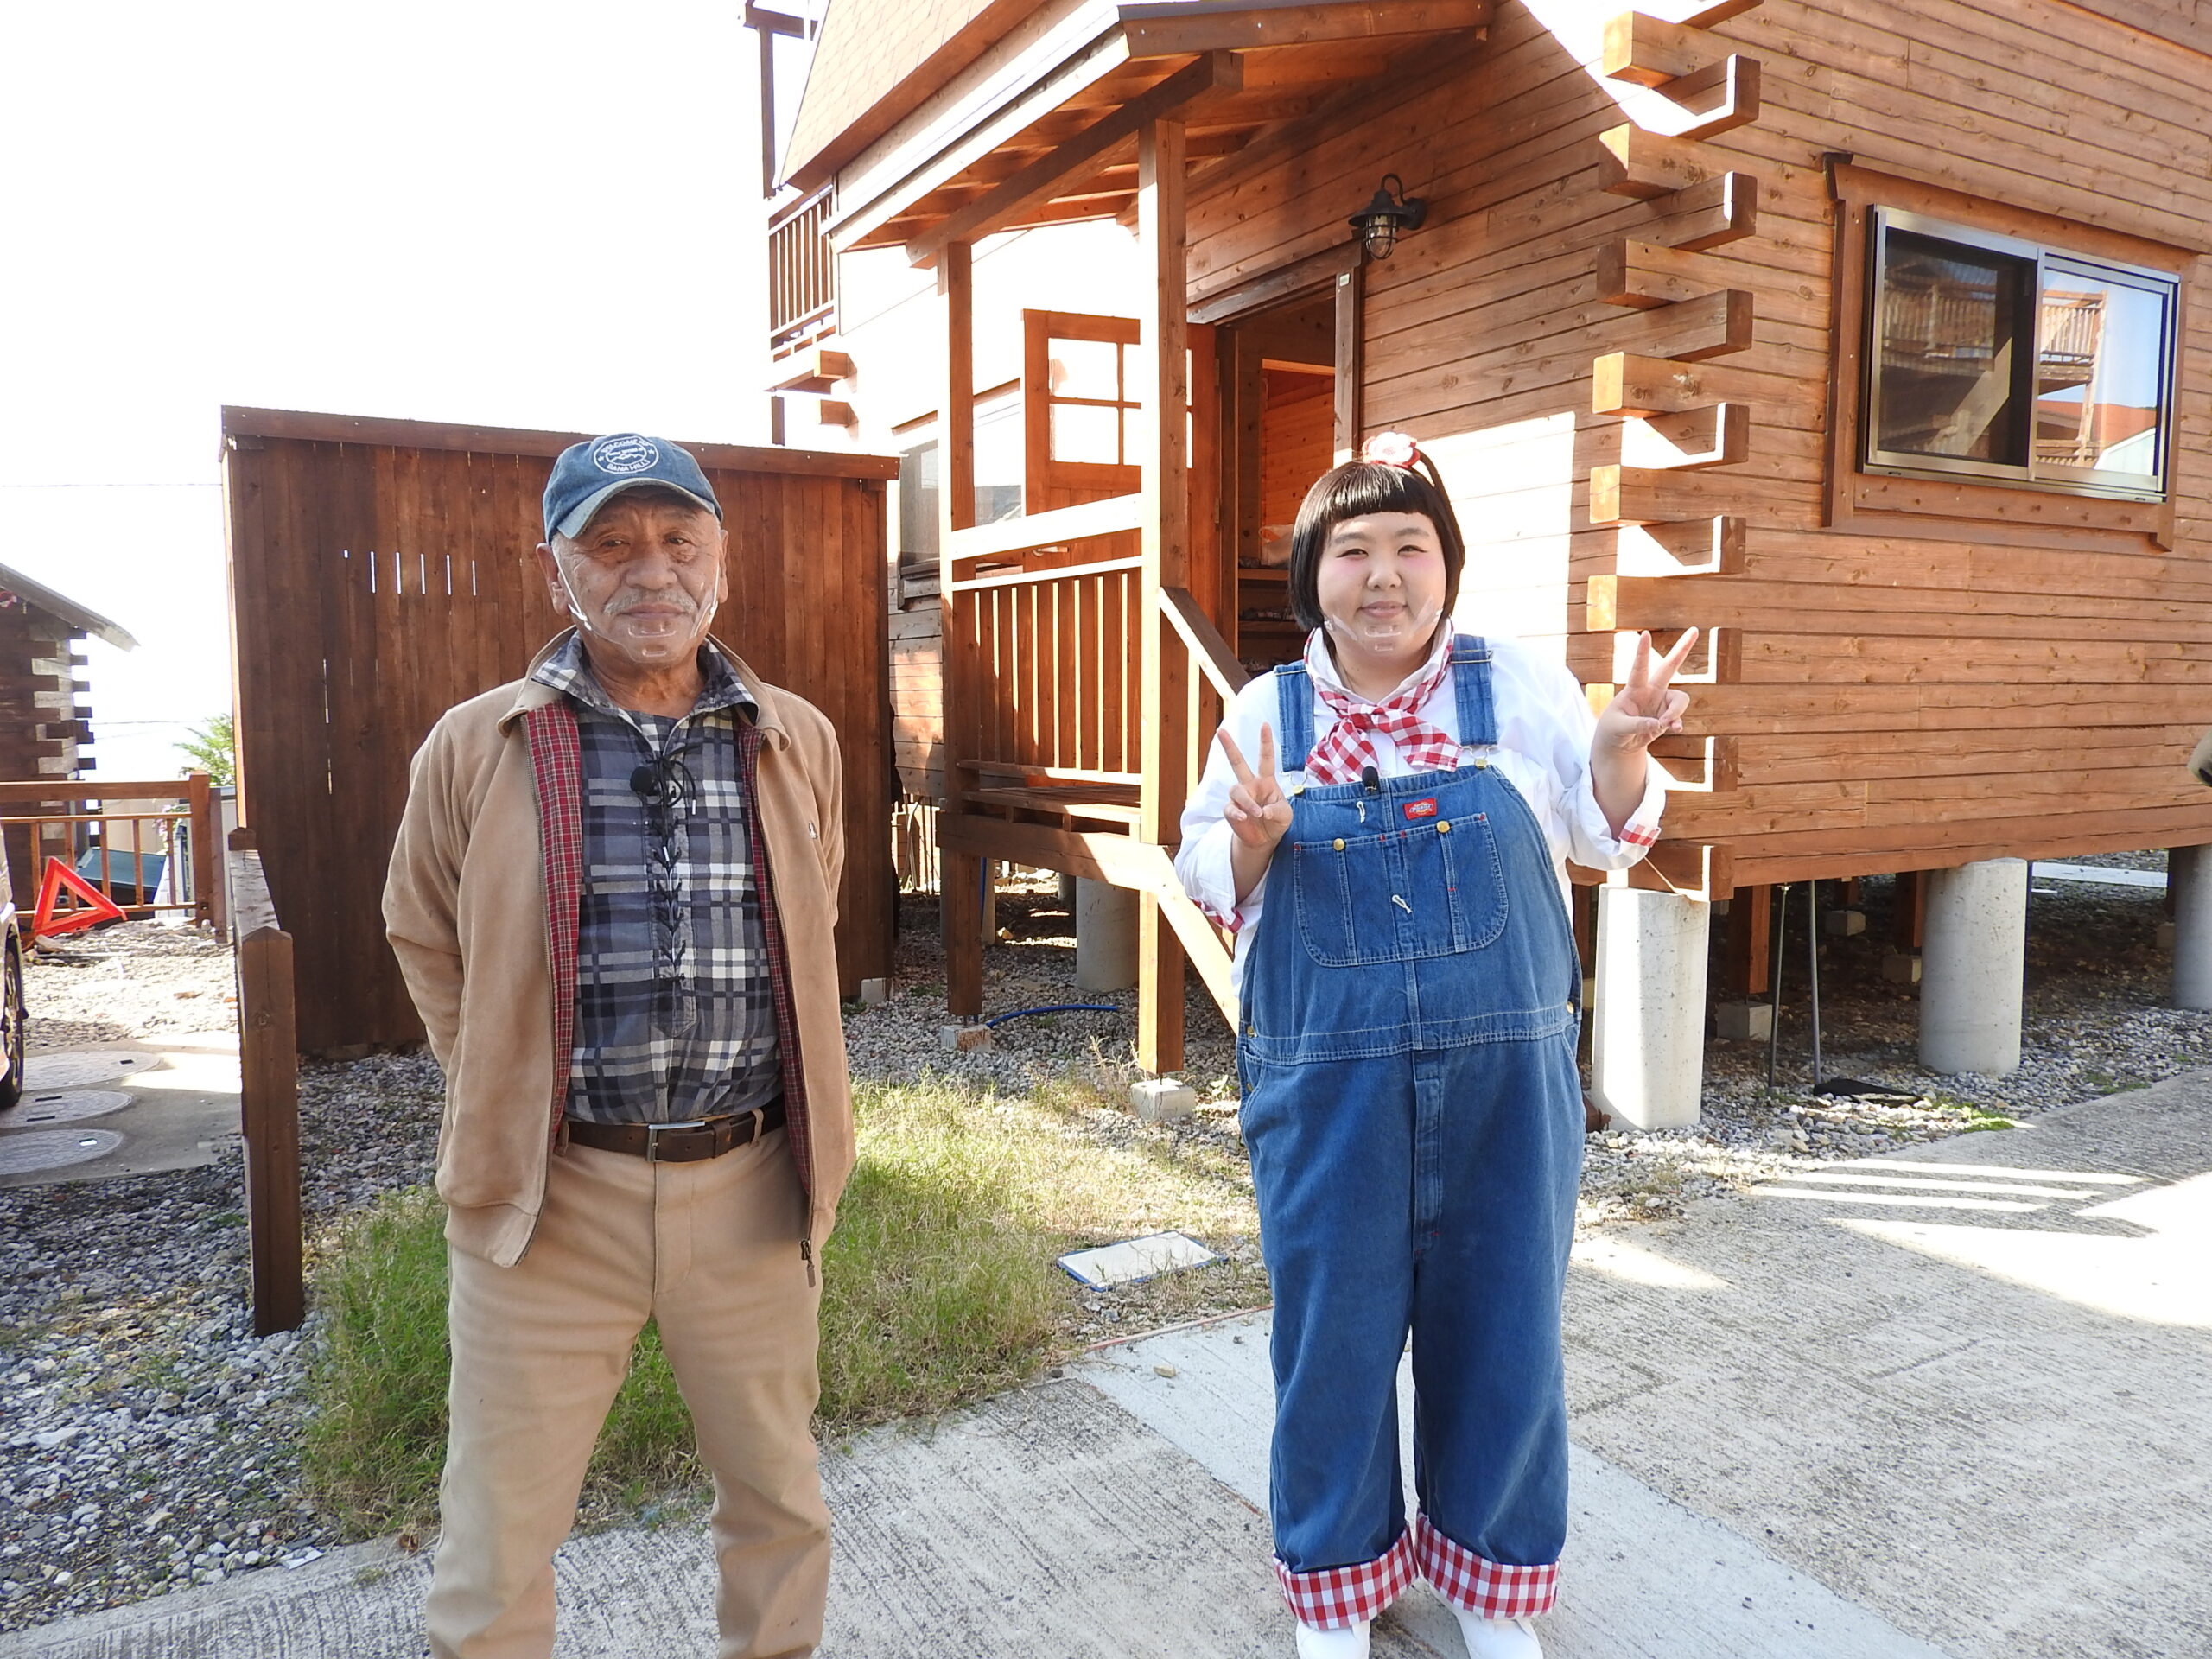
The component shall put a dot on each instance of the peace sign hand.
(1647, 706)
(1258, 814)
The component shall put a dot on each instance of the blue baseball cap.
(588, 475)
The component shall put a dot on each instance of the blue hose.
(1057, 1008)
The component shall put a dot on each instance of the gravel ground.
(134, 979)
(148, 1440)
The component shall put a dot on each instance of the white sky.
(542, 214)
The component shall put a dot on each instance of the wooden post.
(960, 907)
(1350, 370)
(1747, 966)
(1165, 364)
(206, 887)
(269, 1098)
(1909, 921)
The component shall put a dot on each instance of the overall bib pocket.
(1430, 890)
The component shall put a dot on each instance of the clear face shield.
(1388, 620)
(1387, 634)
(652, 627)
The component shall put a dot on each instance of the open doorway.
(1282, 415)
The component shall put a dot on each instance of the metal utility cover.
(1136, 1260)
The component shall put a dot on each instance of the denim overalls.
(1414, 1117)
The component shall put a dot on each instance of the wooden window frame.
(1923, 505)
(1043, 470)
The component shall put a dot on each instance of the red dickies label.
(1421, 809)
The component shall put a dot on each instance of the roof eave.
(82, 618)
(878, 189)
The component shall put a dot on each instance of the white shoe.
(1349, 1642)
(1497, 1638)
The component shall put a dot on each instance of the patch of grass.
(2110, 1082)
(939, 1286)
(1977, 1118)
(934, 1290)
(374, 1443)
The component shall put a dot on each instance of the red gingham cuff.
(1640, 835)
(1334, 1597)
(1489, 1589)
(1229, 918)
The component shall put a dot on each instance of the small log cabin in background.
(45, 724)
(1875, 340)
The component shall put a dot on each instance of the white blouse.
(1544, 731)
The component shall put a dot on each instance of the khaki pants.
(710, 1251)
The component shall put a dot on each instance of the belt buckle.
(654, 1131)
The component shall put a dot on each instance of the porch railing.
(802, 278)
(1051, 630)
(1048, 627)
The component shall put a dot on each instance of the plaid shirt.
(674, 1011)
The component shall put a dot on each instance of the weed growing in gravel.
(939, 1286)
(378, 1376)
(1974, 1115)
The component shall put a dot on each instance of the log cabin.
(46, 724)
(1874, 340)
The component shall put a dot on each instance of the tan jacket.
(464, 909)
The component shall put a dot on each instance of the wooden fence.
(381, 572)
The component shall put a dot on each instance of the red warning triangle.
(50, 922)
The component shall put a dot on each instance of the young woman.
(1394, 871)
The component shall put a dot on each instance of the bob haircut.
(1354, 491)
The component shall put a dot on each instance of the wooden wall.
(1909, 692)
(381, 572)
(1297, 440)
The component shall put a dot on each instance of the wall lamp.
(1388, 217)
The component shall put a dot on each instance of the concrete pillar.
(1648, 1056)
(1974, 965)
(2189, 881)
(1105, 937)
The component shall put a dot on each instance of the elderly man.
(613, 896)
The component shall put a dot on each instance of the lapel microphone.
(1371, 780)
(664, 781)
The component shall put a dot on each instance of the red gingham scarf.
(1349, 746)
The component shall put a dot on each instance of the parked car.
(11, 995)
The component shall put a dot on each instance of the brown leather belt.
(679, 1143)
